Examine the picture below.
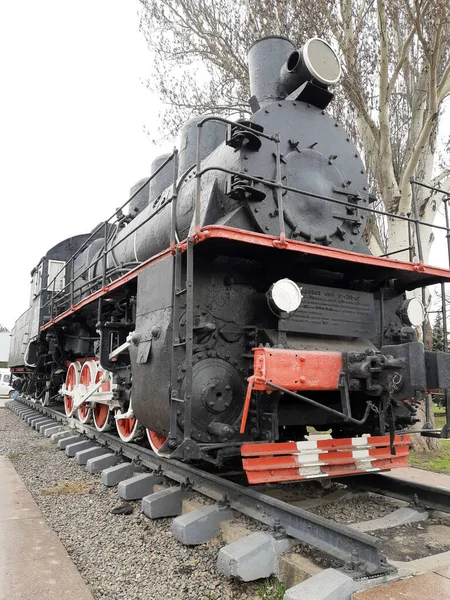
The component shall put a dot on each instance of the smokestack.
(265, 59)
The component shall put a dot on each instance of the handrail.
(97, 229)
(62, 295)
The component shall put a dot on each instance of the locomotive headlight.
(321, 61)
(284, 296)
(413, 312)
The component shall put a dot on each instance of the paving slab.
(444, 572)
(422, 587)
(34, 565)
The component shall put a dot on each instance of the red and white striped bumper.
(313, 459)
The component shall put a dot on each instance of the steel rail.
(435, 498)
(334, 539)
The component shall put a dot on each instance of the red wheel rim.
(101, 412)
(85, 379)
(156, 440)
(125, 426)
(71, 381)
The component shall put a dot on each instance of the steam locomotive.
(234, 302)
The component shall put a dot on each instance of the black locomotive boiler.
(234, 303)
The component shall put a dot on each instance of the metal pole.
(444, 315)
(104, 255)
(72, 279)
(189, 338)
(410, 242)
(446, 429)
(173, 224)
(279, 193)
(198, 175)
(416, 219)
(447, 225)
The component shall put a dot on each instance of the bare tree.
(396, 62)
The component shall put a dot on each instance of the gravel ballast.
(120, 557)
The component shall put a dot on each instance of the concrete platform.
(34, 565)
(414, 475)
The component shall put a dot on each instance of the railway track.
(360, 553)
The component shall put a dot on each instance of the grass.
(15, 456)
(439, 416)
(312, 431)
(271, 589)
(68, 488)
(437, 461)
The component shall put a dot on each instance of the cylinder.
(265, 59)
(138, 203)
(163, 179)
(213, 134)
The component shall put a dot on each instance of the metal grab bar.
(105, 225)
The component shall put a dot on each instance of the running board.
(315, 459)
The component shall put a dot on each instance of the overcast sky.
(72, 118)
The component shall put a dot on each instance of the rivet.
(302, 379)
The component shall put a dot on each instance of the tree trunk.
(398, 238)
(425, 444)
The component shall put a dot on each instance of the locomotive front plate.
(332, 311)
